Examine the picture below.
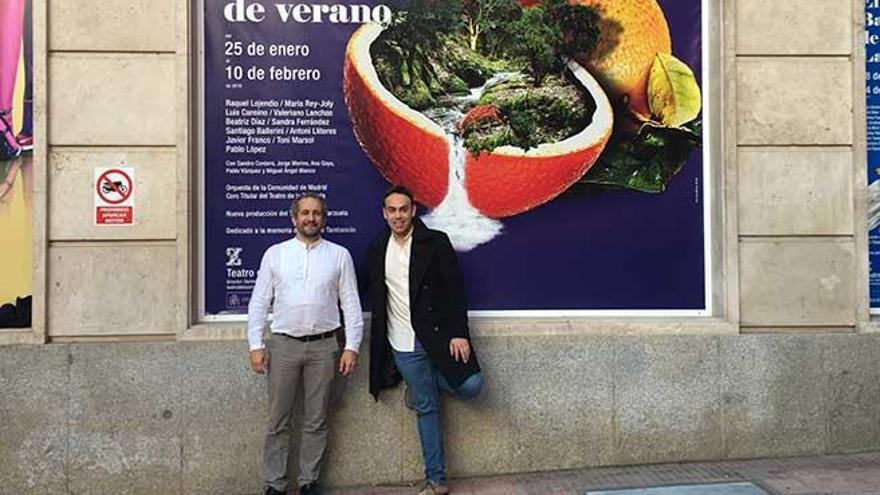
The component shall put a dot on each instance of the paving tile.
(853, 474)
(737, 488)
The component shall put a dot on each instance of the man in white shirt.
(305, 280)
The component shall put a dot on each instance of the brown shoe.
(432, 488)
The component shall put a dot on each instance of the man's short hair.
(398, 189)
(294, 206)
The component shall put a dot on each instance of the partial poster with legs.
(16, 162)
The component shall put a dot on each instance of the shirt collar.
(308, 247)
(406, 240)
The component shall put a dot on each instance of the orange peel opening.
(408, 148)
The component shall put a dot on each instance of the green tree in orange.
(482, 16)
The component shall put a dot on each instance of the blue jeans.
(425, 383)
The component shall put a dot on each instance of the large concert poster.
(559, 144)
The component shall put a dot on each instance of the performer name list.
(253, 126)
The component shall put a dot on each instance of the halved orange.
(410, 149)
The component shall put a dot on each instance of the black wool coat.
(438, 307)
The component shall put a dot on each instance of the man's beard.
(310, 231)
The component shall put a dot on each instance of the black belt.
(310, 338)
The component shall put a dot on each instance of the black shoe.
(271, 491)
(310, 489)
(9, 148)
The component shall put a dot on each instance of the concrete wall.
(800, 175)
(186, 417)
(112, 96)
(113, 82)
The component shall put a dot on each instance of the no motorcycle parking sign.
(114, 196)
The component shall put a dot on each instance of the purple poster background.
(872, 88)
(589, 249)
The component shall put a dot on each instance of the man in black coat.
(419, 324)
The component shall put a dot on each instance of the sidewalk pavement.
(853, 474)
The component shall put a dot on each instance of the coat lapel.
(419, 258)
(377, 267)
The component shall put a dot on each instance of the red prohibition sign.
(106, 185)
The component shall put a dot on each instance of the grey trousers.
(311, 365)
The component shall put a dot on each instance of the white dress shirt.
(400, 330)
(306, 283)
